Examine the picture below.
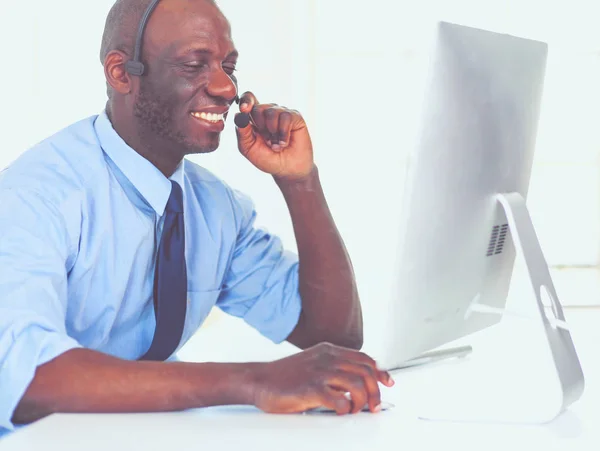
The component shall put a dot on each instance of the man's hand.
(276, 141)
(320, 376)
(86, 381)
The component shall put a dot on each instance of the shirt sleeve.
(34, 249)
(261, 285)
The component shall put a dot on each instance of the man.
(113, 248)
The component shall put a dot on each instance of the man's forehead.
(185, 23)
(201, 44)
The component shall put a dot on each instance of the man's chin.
(204, 147)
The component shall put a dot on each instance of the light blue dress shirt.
(80, 218)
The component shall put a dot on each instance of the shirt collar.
(154, 187)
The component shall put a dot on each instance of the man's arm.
(331, 310)
(278, 142)
(85, 381)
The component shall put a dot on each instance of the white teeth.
(210, 117)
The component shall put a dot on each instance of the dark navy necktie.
(170, 281)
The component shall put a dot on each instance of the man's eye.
(195, 66)
(229, 69)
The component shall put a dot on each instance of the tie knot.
(175, 202)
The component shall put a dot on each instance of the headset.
(135, 66)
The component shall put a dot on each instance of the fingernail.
(378, 408)
(282, 143)
(243, 106)
(276, 147)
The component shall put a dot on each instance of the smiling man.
(114, 248)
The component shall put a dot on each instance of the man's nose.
(221, 85)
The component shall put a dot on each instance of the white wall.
(349, 67)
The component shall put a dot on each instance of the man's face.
(189, 84)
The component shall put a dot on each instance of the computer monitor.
(464, 199)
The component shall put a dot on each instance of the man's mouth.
(213, 118)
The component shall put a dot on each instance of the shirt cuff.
(30, 349)
(275, 322)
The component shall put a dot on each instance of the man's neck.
(154, 153)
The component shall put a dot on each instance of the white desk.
(248, 429)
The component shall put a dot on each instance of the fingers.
(353, 372)
(370, 383)
(355, 386)
(285, 128)
(336, 400)
(247, 102)
(272, 122)
(359, 357)
(278, 124)
(321, 376)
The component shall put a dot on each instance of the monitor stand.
(565, 362)
(432, 357)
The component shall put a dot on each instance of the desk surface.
(237, 427)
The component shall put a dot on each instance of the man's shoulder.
(199, 174)
(205, 181)
(207, 184)
(70, 156)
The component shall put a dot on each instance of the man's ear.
(116, 75)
